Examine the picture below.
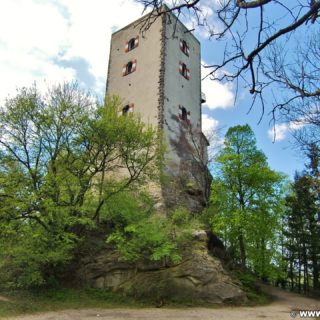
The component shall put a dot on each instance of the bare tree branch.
(251, 4)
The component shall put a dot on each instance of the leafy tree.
(62, 157)
(246, 201)
(144, 235)
(301, 231)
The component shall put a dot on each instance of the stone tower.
(157, 73)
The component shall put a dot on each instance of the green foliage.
(246, 202)
(149, 239)
(29, 254)
(62, 158)
(140, 233)
(301, 244)
(180, 217)
(24, 302)
(250, 286)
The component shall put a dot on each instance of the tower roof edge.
(164, 8)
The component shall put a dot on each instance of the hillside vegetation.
(71, 167)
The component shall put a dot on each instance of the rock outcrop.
(199, 277)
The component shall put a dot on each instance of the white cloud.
(280, 130)
(218, 95)
(92, 23)
(206, 10)
(53, 39)
(211, 131)
(209, 124)
(60, 40)
(202, 24)
(30, 33)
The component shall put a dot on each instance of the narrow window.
(131, 44)
(184, 70)
(129, 67)
(184, 47)
(184, 114)
(125, 110)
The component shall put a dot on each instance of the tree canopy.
(67, 166)
(246, 201)
(301, 228)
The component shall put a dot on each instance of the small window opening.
(184, 115)
(131, 44)
(129, 67)
(184, 70)
(184, 46)
(125, 110)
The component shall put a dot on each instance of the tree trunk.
(305, 267)
(291, 272)
(299, 273)
(242, 252)
(315, 272)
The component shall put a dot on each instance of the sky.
(52, 41)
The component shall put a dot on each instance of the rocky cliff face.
(199, 277)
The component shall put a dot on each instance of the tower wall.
(181, 92)
(165, 88)
(140, 87)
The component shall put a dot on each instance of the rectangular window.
(129, 67)
(183, 70)
(132, 44)
(184, 47)
(127, 109)
(184, 114)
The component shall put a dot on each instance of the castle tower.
(157, 72)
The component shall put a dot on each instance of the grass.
(255, 297)
(26, 302)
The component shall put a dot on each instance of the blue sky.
(50, 41)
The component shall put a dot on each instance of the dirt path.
(280, 308)
(2, 298)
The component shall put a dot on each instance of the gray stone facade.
(164, 86)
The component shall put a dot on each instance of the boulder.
(199, 277)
